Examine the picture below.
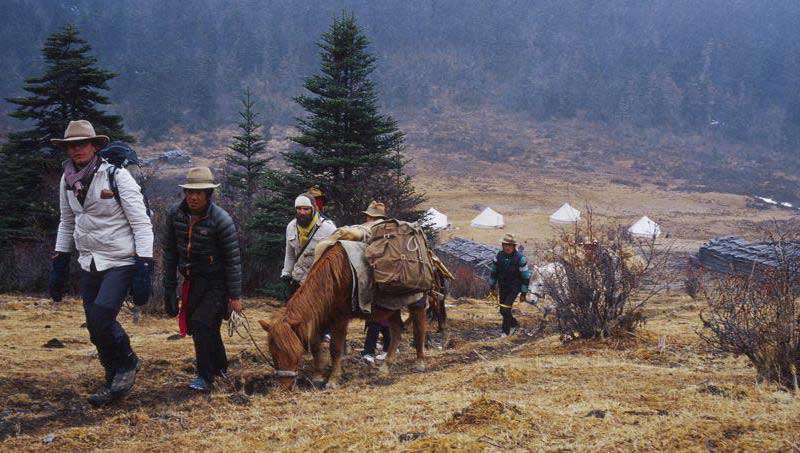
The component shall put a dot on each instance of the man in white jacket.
(114, 239)
(302, 235)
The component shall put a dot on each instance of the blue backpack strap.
(112, 182)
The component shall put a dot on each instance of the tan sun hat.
(376, 209)
(508, 238)
(199, 178)
(79, 131)
(315, 192)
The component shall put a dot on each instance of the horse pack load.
(399, 257)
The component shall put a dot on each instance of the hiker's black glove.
(142, 284)
(59, 276)
(288, 283)
(170, 302)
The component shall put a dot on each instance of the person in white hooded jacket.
(302, 235)
(114, 239)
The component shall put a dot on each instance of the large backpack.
(121, 155)
(399, 257)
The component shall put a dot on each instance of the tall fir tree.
(68, 90)
(30, 168)
(349, 149)
(246, 167)
(247, 162)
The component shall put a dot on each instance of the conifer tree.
(349, 149)
(246, 161)
(68, 90)
(29, 167)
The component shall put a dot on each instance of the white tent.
(645, 228)
(489, 218)
(436, 220)
(565, 215)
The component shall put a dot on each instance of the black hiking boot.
(125, 377)
(110, 372)
(102, 397)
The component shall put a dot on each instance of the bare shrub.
(602, 282)
(159, 209)
(467, 283)
(693, 279)
(25, 265)
(756, 315)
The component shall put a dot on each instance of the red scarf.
(183, 324)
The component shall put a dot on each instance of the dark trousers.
(507, 299)
(103, 294)
(209, 349)
(373, 330)
(208, 304)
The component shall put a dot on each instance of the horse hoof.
(419, 366)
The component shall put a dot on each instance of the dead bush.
(467, 283)
(601, 282)
(693, 278)
(756, 315)
(25, 265)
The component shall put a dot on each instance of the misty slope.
(668, 64)
(701, 95)
(461, 143)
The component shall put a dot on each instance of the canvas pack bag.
(398, 255)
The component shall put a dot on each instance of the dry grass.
(661, 389)
(527, 202)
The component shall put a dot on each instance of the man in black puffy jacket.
(201, 243)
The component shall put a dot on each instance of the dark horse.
(324, 302)
(437, 311)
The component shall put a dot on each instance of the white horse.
(539, 278)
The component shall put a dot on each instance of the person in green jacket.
(511, 274)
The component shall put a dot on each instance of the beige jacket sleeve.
(289, 258)
(132, 201)
(66, 226)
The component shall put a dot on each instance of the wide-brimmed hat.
(199, 178)
(508, 238)
(315, 192)
(78, 131)
(376, 209)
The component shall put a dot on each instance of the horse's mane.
(311, 307)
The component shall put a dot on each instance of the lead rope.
(239, 321)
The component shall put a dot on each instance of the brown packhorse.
(324, 302)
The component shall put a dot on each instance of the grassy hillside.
(661, 389)
(538, 166)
